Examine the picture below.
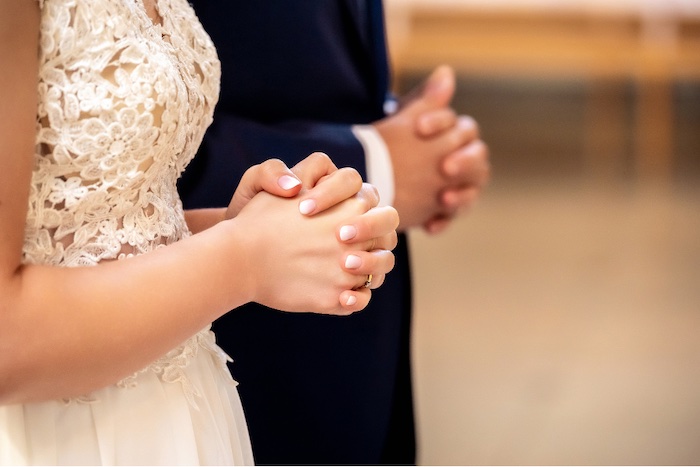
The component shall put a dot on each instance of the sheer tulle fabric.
(150, 423)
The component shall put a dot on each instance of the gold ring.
(368, 282)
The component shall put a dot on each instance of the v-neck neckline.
(158, 19)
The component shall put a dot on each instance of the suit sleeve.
(233, 144)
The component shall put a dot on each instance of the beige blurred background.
(559, 321)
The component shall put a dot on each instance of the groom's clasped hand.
(337, 240)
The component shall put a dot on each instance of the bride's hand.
(325, 184)
(318, 263)
(272, 176)
(365, 234)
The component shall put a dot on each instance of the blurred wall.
(558, 322)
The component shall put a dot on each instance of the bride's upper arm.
(19, 42)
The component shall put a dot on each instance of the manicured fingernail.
(347, 232)
(351, 300)
(288, 182)
(307, 206)
(353, 262)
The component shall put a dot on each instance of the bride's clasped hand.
(325, 244)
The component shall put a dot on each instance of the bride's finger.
(333, 189)
(363, 263)
(377, 281)
(369, 194)
(354, 300)
(272, 176)
(385, 242)
(313, 168)
(375, 223)
(370, 281)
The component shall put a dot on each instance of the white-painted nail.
(351, 300)
(347, 232)
(287, 182)
(353, 262)
(307, 206)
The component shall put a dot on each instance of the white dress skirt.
(195, 419)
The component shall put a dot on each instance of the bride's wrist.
(239, 258)
(199, 220)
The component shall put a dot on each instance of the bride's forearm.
(199, 220)
(68, 331)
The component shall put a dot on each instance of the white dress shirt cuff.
(380, 171)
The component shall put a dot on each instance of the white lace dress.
(123, 106)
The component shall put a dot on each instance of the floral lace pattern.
(123, 105)
(170, 367)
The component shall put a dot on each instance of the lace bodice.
(123, 106)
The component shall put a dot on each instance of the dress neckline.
(153, 25)
(158, 19)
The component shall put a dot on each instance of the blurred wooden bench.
(609, 44)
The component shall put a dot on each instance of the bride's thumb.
(272, 176)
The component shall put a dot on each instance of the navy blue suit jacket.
(295, 74)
